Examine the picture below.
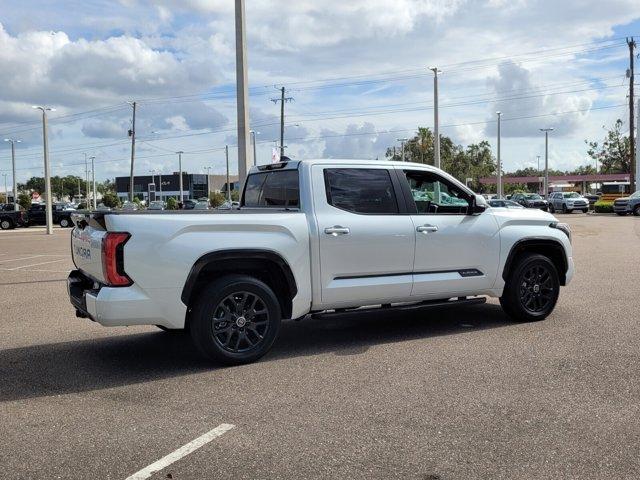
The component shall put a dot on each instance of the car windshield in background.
(635, 195)
(272, 189)
(533, 196)
(571, 195)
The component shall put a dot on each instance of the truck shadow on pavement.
(87, 365)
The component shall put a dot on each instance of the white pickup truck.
(315, 236)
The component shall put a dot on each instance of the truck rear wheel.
(64, 222)
(235, 319)
(531, 290)
(6, 224)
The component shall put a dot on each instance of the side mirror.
(478, 205)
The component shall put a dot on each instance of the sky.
(358, 74)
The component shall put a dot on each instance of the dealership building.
(162, 187)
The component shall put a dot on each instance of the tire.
(622, 214)
(551, 209)
(564, 208)
(170, 330)
(636, 211)
(248, 333)
(64, 222)
(585, 210)
(6, 224)
(531, 290)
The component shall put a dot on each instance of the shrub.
(216, 199)
(603, 207)
(110, 199)
(172, 203)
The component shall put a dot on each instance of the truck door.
(456, 253)
(366, 244)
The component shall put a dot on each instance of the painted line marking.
(35, 270)
(183, 451)
(36, 264)
(18, 259)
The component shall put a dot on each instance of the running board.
(455, 302)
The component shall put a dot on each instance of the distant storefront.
(162, 187)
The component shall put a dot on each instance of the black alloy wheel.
(636, 211)
(531, 288)
(235, 319)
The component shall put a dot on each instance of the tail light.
(113, 259)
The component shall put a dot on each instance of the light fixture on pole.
(13, 169)
(47, 172)
(546, 160)
(499, 182)
(436, 122)
(180, 171)
(402, 140)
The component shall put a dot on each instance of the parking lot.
(441, 394)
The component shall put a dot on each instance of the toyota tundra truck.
(315, 237)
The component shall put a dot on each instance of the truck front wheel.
(235, 319)
(531, 290)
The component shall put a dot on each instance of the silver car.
(567, 202)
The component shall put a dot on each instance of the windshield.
(533, 196)
(571, 195)
(635, 195)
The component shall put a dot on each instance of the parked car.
(189, 204)
(567, 202)
(61, 214)
(530, 200)
(592, 197)
(497, 203)
(10, 218)
(318, 236)
(630, 204)
(157, 205)
(129, 206)
(201, 206)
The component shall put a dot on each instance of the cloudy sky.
(357, 72)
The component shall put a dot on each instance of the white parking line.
(183, 451)
(36, 264)
(23, 258)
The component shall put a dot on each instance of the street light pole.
(180, 171)
(132, 133)
(208, 169)
(93, 180)
(253, 137)
(226, 153)
(47, 173)
(402, 140)
(546, 160)
(242, 95)
(539, 173)
(13, 171)
(436, 122)
(6, 192)
(499, 188)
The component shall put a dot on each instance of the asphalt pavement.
(438, 394)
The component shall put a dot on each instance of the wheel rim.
(536, 289)
(63, 223)
(240, 322)
(4, 225)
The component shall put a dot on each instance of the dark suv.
(530, 200)
(37, 214)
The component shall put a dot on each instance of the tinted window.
(361, 190)
(433, 194)
(272, 189)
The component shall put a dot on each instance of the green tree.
(110, 199)
(24, 200)
(614, 153)
(235, 195)
(172, 203)
(216, 199)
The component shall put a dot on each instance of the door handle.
(427, 228)
(337, 230)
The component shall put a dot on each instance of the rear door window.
(279, 188)
(361, 190)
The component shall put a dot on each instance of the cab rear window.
(279, 188)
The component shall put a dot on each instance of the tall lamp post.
(253, 139)
(6, 192)
(499, 183)
(180, 171)
(402, 140)
(546, 160)
(13, 169)
(93, 179)
(47, 172)
(538, 173)
(436, 122)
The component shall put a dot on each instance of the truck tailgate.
(86, 249)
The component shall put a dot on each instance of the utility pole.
(79, 193)
(499, 185)
(539, 172)
(226, 153)
(632, 178)
(62, 189)
(6, 192)
(638, 146)
(47, 172)
(13, 171)
(93, 180)
(242, 89)
(132, 134)
(86, 180)
(283, 99)
(546, 160)
(436, 122)
(180, 172)
(402, 140)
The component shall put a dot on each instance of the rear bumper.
(622, 208)
(120, 306)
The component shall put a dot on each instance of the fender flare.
(524, 243)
